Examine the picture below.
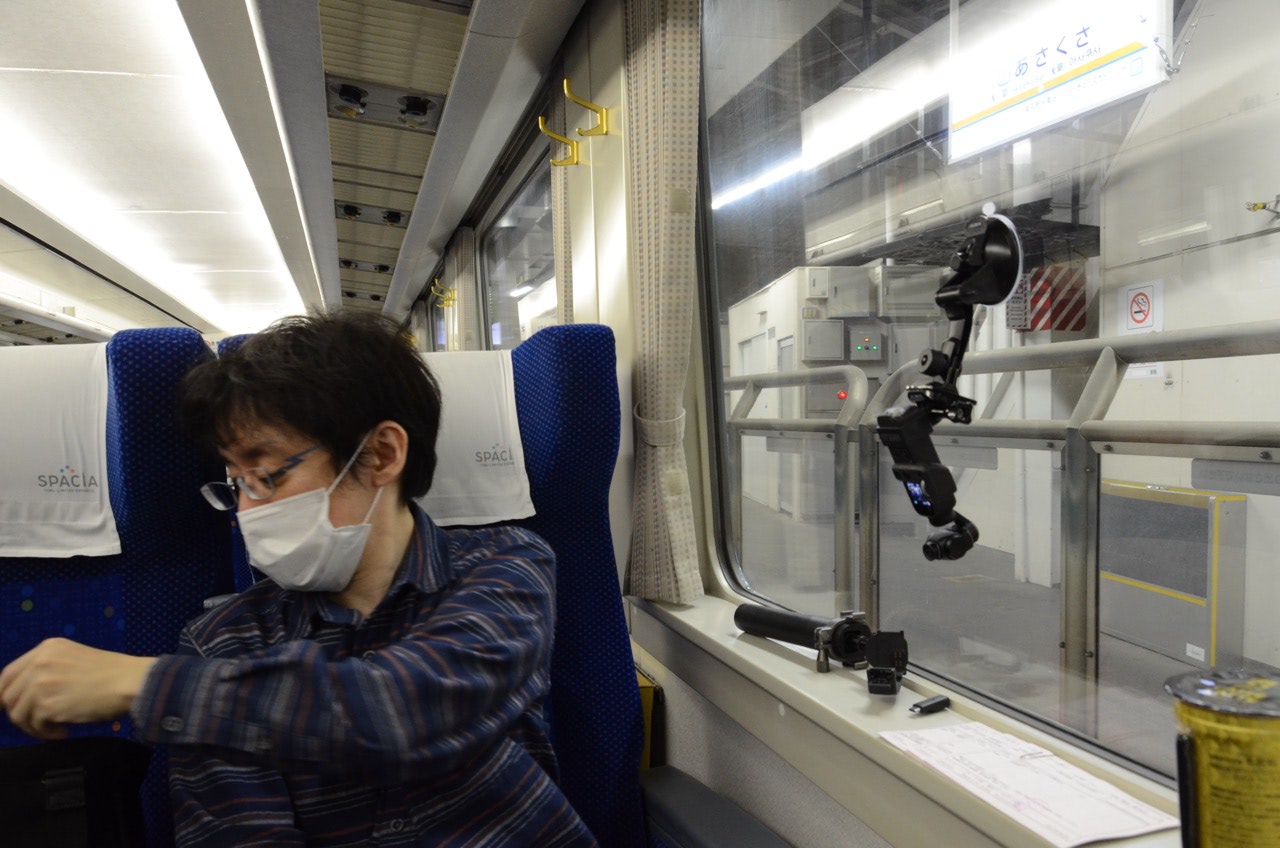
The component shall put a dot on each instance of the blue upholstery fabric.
(567, 401)
(174, 548)
(244, 574)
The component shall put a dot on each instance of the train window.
(850, 148)
(518, 260)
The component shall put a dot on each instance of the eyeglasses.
(258, 483)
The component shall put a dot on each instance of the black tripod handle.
(785, 626)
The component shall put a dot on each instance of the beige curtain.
(662, 67)
(462, 319)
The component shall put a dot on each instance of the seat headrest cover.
(480, 471)
(54, 499)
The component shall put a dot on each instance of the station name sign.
(1029, 66)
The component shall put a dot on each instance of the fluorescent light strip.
(1177, 232)
(84, 73)
(62, 186)
(833, 129)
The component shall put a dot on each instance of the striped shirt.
(293, 720)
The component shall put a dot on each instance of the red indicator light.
(842, 394)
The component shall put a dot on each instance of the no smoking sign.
(1140, 308)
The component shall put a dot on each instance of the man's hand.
(60, 682)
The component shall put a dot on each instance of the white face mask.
(293, 542)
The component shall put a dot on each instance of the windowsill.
(776, 694)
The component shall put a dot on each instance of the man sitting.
(387, 685)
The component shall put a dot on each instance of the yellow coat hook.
(447, 295)
(602, 114)
(572, 158)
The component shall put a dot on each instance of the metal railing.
(841, 429)
(1081, 438)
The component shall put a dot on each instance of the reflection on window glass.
(519, 264)
(851, 148)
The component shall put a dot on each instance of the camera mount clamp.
(984, 271)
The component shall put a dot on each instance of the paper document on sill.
(1060, 802)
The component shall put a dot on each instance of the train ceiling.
(362, 130)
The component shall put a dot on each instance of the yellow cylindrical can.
(1229, 758)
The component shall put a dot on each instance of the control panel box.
(866, 342)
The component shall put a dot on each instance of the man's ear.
(389, 450)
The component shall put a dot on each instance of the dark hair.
(330, 377)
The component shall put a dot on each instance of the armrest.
(683, 813)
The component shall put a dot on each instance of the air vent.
(351, 100)
(357, 295)
(459, 7)
(345, 210)
(417, 111)
(372, 103)
(368, 267)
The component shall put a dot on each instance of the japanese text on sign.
(1048, 62)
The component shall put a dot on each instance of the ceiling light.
(774, 175)
(522, 291)
(131, 190)
(923, 206)
(893, 91)
(1180, 231)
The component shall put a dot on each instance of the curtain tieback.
(660, 432)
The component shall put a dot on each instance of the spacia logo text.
(67, 479)
(496, 455)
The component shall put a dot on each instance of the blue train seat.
(567, 399)
(566, 389)
(174, 549)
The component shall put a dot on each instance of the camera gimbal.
(985, 270)
(847, 639)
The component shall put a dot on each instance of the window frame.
(727, 562)
(522, 173)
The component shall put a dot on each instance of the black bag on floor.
(73, 793)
